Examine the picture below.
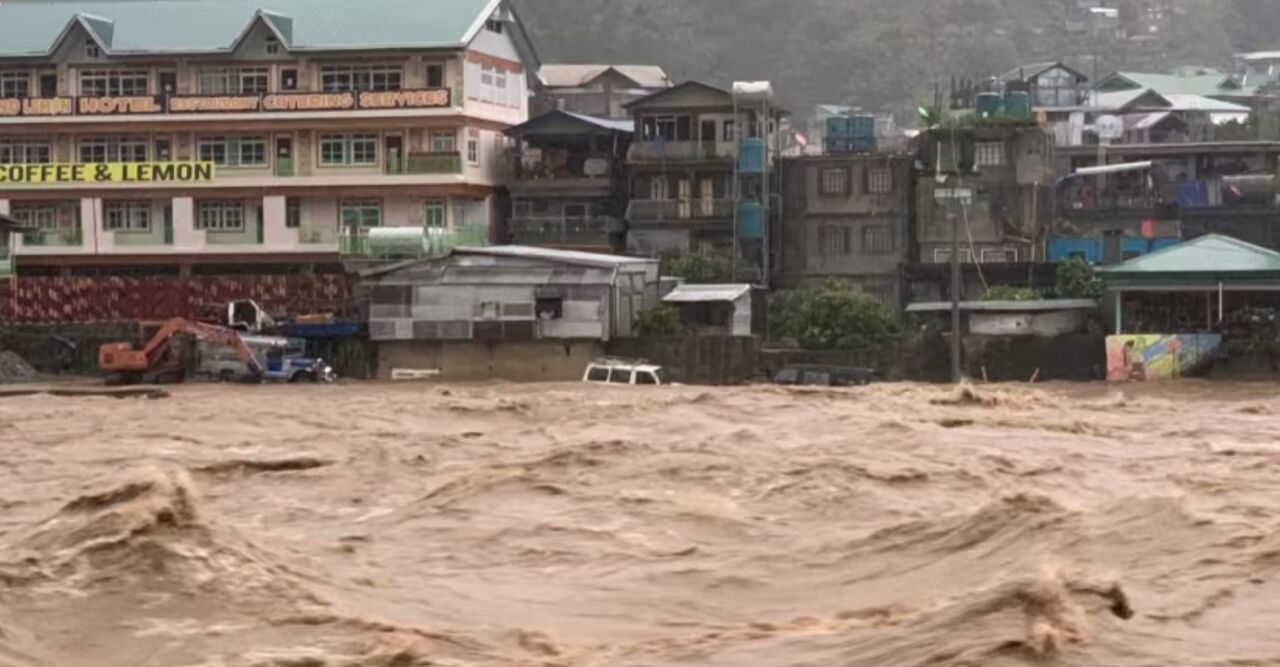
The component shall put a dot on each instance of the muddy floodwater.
(575, 526)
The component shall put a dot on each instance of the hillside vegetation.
(878, 54)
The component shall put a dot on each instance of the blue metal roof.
(31, 28)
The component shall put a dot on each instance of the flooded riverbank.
(571, 525)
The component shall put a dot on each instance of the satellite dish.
(1109, 127)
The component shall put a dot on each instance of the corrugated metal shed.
(193, 26)
(1042, 305)
(707, 293)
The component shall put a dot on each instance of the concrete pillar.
(4, 207)
(185, 234)
(93, 227)
(275, 235)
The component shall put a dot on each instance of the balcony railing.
(71, 236)
(554, 168)
(539, 230)
(649, 151)
(434, 242)
(671, 210)
(425, 163)
(284, 166)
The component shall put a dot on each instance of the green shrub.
(837, 316)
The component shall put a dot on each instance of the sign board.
(1109, 127)
(105, 172)
(368, 100)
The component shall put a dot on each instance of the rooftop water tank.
(397, 241)
(750, 220)
(1018, 104)
(751, 156)
(988, 104)
(753, 91)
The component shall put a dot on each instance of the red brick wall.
(75, 299)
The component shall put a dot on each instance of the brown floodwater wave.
(573, 526)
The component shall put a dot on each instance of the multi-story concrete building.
(602, 91)
(846, 217)
(213, 135)
(682, 165)
(568, 182)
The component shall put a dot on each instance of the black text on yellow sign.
(105, 172)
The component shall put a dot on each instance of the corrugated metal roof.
(551, 254)
(1213, 254)
(1043, 305)
(1186, 102)
(1208, 83)
(572, 76)
(191, 26)
(606, 123)
(706, 293)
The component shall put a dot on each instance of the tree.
(1076, 280)
(1009, 293)
(837, 316)
(660, 320)
(699, 266)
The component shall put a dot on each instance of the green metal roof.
(31, 28)
(1208, 85)
(1208, 259)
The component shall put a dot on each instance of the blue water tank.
(1017, 103)
(863, 127)
(751, 156)
(989, 104)
(839, 127)
(1134, 247)
(1162, 243)
(751, 220)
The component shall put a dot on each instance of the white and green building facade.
(322, 119)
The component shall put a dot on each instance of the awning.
(706, 293)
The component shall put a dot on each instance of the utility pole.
(956, 375)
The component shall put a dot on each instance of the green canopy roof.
(1207, 260)
(195, 26)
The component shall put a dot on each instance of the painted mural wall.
(1140, 357)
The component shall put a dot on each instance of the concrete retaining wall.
(713, 360)
(538, 361)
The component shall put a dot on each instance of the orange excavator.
(160, 360)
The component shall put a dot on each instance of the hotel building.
(209, 137)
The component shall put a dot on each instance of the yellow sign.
(105, 172)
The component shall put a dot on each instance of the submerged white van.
(623, 371)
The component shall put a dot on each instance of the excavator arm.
(123, 358)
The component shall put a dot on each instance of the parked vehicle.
(281, 360)
(160, 359)
(824, 376)
(623, 371)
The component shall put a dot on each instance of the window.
(288, 79)
(486, 75)
(435, 213)
(877, 240)
(14, 84)
(127, 216)
(361, 213)
(41, 216)
(221, 215)
(91, 49)
(728, 131)
(348, 149)
(292, 212)
(549, 308)
(473, 150)
(835, 182)
(234, 151)
(234, 81)
(114, 83)
(667, 128)
(620, 376)
(879, 181)
(574, 211)
(24, 151)
(943, 255)
(500, 79)
(444, 141)
(989, 154)
(597, 374)
(272, 45)
(833, 240)
(659, 188)
(999, 255)
(435, 75)
(113, 149)
(344, 78)
(646, 377)
(493, 25)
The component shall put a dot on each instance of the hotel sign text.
(189, 104)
